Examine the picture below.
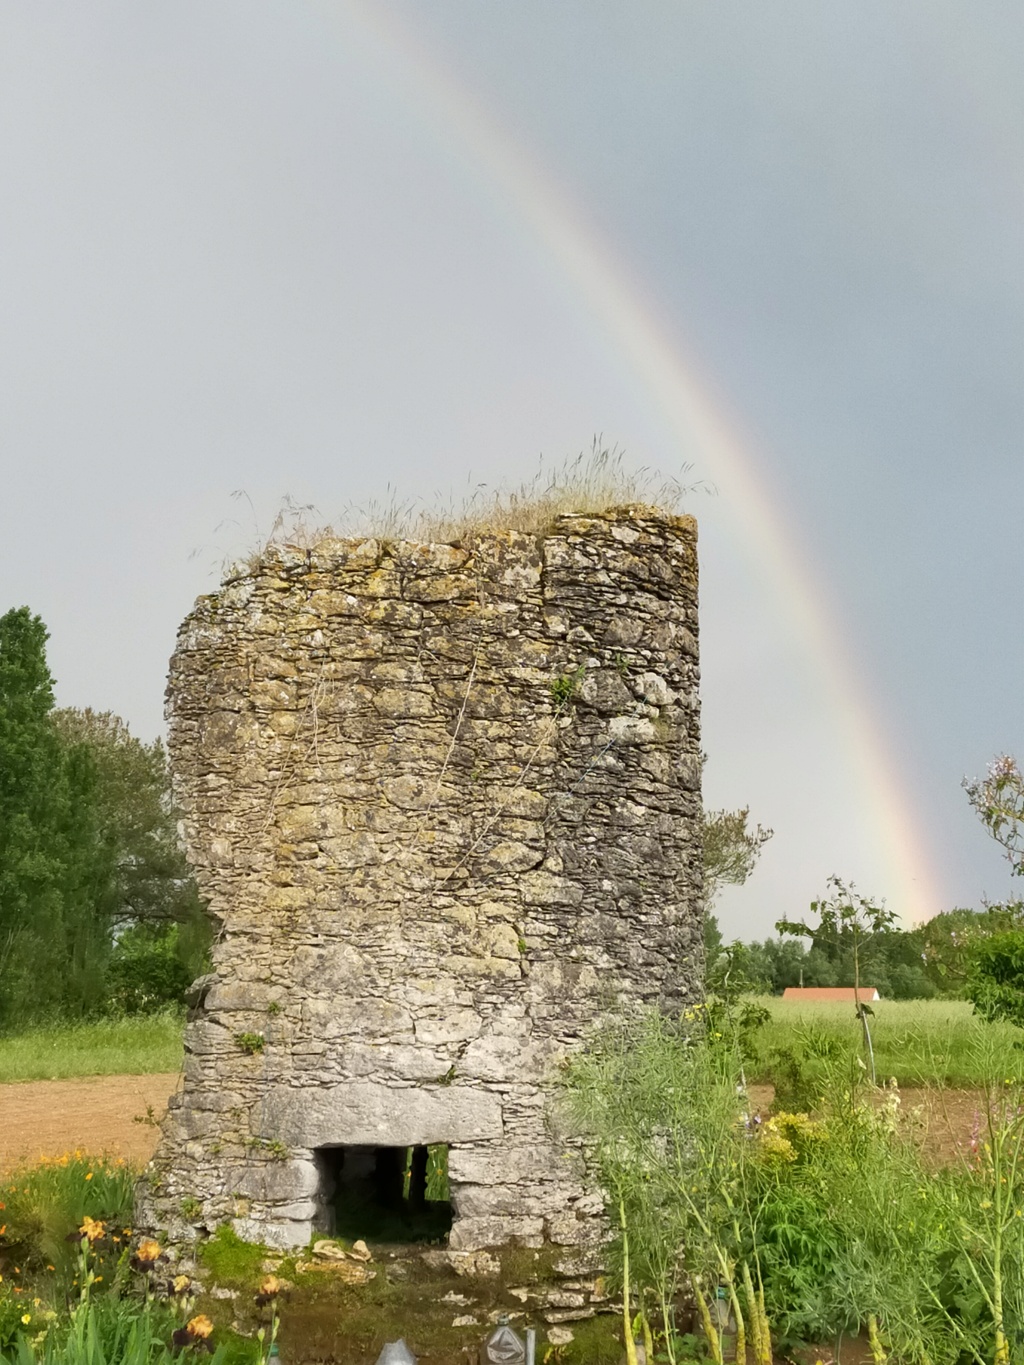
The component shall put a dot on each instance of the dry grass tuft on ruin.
(589, 483)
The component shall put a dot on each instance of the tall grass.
(808, 1226)
(919, 1042)
(137, 1045)
(590, 482)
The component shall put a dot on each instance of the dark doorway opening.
(386, 1194)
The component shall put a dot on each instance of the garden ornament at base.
(503, 1346)
(396, 1353)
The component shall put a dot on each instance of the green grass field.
(108, 1047)
(919, 1042)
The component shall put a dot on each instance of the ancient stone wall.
(444, 802)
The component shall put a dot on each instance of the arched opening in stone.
(385, 1194)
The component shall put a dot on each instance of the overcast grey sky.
(320, 247)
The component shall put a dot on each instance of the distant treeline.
(98, 913)
(914, 964)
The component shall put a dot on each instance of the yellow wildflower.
(199, 1326)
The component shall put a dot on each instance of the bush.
(995, 978)
(148, 971)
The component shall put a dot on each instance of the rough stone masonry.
(444, 804)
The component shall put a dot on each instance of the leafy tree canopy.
(51, 946)
(730, 849)
(150, 881)
(91, 876)
(995, 978)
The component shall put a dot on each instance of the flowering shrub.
(995, 977)
(998, 798)
(38, 1204)
(788, 1137)
(94, 1300)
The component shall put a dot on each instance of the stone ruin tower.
(444, 804)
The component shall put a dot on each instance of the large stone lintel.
(364, 1113)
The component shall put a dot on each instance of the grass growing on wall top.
(919, 1042)
(138, 1045)
(593, 481)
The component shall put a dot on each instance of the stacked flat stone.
(444, 804)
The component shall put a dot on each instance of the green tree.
(93, 886)
(30, 873)
(847, 921)
(947, 941)
(136, 821)
(730, 849)
(148, 896)
(995, 977)
(782, 962)
(995, 962)
(712, 938)
(51, 947)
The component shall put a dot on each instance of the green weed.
(597, 1341)
(564, 688)
(232, 1262)
(809, 1226)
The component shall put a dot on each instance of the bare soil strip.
(95, 1114)
(946, 1123)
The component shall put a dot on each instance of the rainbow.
(644, 343)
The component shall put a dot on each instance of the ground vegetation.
(803, 1225)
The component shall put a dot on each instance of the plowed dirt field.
(118, 1115)
(95, 1113)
